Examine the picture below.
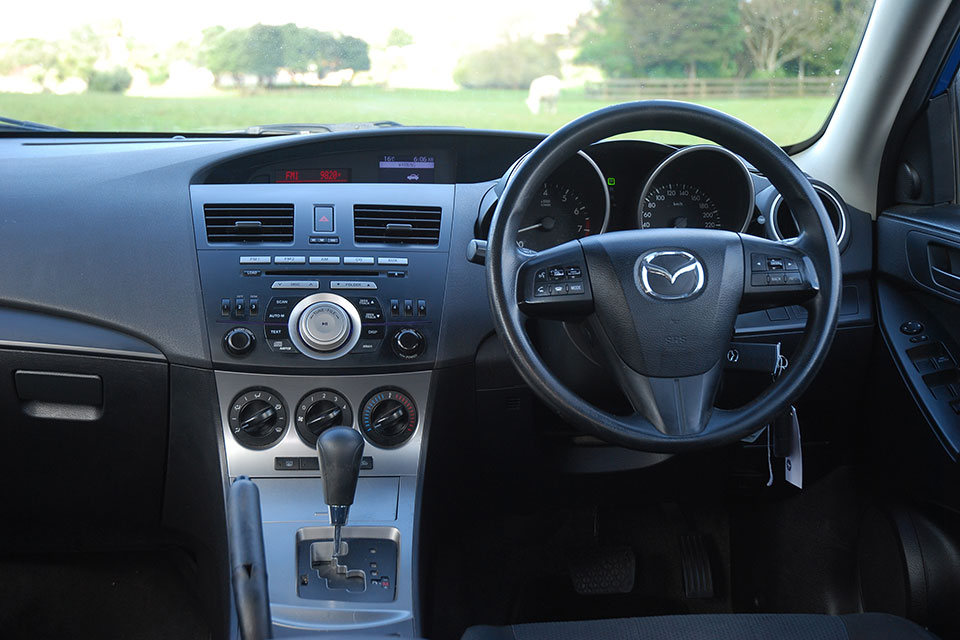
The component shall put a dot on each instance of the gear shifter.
(340, 450)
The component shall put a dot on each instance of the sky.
(458, 24)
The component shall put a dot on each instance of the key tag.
(793, 461)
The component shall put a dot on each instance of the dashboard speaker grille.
(396, 224)
(249, 222)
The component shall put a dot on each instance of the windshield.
(186, 67)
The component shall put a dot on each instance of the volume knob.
(239, 341)
(408, 343)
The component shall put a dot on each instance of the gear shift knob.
(340, 450)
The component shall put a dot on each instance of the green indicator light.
(611, 181)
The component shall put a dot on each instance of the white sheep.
(544, 94)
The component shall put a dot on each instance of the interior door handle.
(944, 265)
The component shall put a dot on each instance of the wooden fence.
(702, 88)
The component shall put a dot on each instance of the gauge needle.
(545, 223)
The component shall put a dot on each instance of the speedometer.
(678, 205)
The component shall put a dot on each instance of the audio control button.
(276, 331)
(296, 284)
(372, 332)
(324, 326)
(352, 284)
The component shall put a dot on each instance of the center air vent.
(249, 222)
(396, 224)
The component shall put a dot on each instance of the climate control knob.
(388, 418)
(239, 341)
(408, 343)
(258, 418)
(319, 411)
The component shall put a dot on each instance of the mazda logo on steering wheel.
(670, 274)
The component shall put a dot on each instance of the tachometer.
(678, 205)
(559, 214)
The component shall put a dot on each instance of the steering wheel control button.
(388, 418)
(670, 274)
(911, 328)
(321, 410)
(324, 326)
(257, 418)
(758, 262)
(239, 341)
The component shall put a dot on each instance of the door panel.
(918, 299)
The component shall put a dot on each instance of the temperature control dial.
(258, 418)
(388, 418)
(319, 411)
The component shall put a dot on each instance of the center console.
(323, 305)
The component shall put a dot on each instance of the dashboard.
(238, 296)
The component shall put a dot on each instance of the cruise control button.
(574, 272)
(556, 273)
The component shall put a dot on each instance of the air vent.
(784, 225)
(249, 222)
(397, 224)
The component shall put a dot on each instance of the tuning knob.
(409, 343)
(324, 326)
(239, 341)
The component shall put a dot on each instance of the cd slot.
(326, 272)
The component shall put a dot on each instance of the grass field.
(786, 120)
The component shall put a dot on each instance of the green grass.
(786, 120)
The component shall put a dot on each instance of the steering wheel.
(661, 303)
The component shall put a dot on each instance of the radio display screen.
(289, 176)
(407, 168)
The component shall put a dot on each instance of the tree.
(512, 64)
(782, 32)
(630, 38)
(399, 38)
